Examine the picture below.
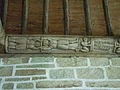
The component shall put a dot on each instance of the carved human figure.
(85, 45)
(117, 46)
(62, 44)
(34, 44)
(2, 34)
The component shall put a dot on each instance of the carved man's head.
(46, 43)
(85, 39)
(37, 44)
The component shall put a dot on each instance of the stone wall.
(52, 73)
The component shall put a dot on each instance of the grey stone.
(58, 84)
(61, 74)
(37, 66)
(25, 85)
(6, 71)
(110, 84)
(42, 59)
(8, 86)
(99, 61)
(18, 60)
(71, 62)
(115, 61)
(30, 72)
(90, 73)
(113, 72)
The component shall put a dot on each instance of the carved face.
(85, 39)
(37, 44)
(46, 43)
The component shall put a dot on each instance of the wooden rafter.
(66, 17)
(87, 17)
(5, 11)
(45, 20)
(24, 16)
(107, 17)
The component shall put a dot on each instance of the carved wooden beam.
(62, 44)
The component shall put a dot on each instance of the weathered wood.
(107, 17)
(5, 11)
(24, 15)
(45, 22)
(62, 44)
(66, 17)
(87, 17)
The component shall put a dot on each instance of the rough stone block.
(111, 84)
(58, 84)
(42, 59)
(90, 73)
(6, 71)
(8, 86)
(19, 60)
(61, 73)
(25, 85)
(99, 61)
(115, 61)
(17, 79)
(38, 78)
(71, 62)
(37, 66)
(30, 72)
(113, 72)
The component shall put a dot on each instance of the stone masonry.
(55, 73)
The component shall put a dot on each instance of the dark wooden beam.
(66, 17)
(87, 17)
(5, 13)
(45, 20)
(25, 8)
(107, 17)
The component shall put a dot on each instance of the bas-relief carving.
(2, 38)
(2, 34)
(85, 44)
(104, 45)
(51, 44)
(117, 46)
